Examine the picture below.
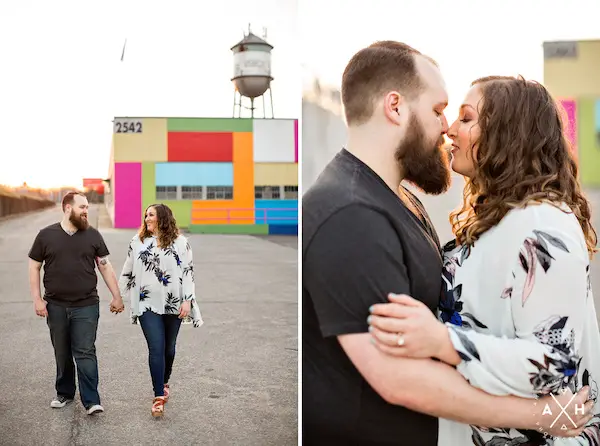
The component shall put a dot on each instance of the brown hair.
(523, 156)
(373, 71)
(167, 226)
(69, 199)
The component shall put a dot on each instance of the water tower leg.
(234, 99)
(252, 107)
(271, 96)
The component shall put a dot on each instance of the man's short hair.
(373, 71)
(69, 198)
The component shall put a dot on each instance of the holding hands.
(116, 305)
(39, 306)
(185, 309)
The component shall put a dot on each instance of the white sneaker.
(96, 408)
(60, 401)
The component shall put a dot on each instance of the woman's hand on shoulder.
(406, 327)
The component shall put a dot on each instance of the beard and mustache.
(425, 164)
(79, 221)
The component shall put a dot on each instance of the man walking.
(69, 251)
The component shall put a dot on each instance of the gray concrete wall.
(323, 135)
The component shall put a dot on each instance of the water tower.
(251, 73)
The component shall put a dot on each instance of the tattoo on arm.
(101, 261)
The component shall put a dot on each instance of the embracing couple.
(483, 340)
(157, 277)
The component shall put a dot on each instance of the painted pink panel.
(296, 140)
(128, 195)
(570, 107)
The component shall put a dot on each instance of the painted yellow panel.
(575, 77)
(150, 145)
(275, 174)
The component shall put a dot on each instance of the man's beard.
(426, 166)
(79, 222)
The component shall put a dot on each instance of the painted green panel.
(229, 229)
(209, 125)
(589, 151)
(182, 211)
(148, 185)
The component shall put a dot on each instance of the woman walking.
(158, 277)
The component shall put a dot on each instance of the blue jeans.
(161, 332)
(73, 335)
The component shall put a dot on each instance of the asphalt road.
(234, 380)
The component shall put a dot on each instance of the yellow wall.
(150, 145)
(571, 78)
(275, 174)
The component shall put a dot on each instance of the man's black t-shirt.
(69, 264)
(359, 243)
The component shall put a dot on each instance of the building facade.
(218, 175)
(93, 184)
(571, 75)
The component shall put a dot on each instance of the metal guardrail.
(254, 217)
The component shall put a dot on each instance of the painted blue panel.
(283, 229)
(194, 174)
(276, 212)
(597, 116)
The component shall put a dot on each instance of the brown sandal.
(158, 406)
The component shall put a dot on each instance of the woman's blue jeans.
(161, 332)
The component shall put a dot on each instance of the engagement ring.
(400, 340)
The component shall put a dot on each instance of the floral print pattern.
(159, 279)
(451, 306)
(531, 334)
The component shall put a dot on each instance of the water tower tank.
(252, 66)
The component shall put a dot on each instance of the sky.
(468, 38)
(62, 80)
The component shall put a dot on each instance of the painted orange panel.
(243, 167)
(240, 210)
(200, 146)
(213, 212)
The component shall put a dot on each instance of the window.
(219, 193)
(166, 192)
(290, 192)
(267, 192)
(191, 192)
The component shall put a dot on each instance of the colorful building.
(93, 184)
(217, 175)
(571, 75)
